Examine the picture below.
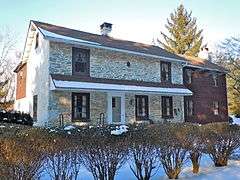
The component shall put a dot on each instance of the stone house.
(71, 76)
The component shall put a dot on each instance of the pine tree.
(184, 38)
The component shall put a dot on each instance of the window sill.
(167, 117)
(142, 118)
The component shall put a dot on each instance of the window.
(80, 106)
(37, 41)
(215, 80)
(215, 107)
(167, 107)
(113, 102)
(188, 76)
(165, 72)
(141, 107)
(189, 107)
(81, 59)
(35, 99)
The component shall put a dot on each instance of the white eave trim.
(65, 39)
(90, 86)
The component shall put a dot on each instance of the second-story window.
(215, 80)
(215, 107)
(37, 41)
(165, 72)
(188, 76)
(80, 61)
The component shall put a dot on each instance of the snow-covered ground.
(236, 120)
(207, 172)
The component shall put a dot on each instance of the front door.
(116, 109)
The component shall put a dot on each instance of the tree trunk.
(195, 158)
(173, 174)
(222, 161)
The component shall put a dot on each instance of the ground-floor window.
(80, 106)
(167, 107)
(35, 100)
(189, 107)
(141, 108)
(215, 107)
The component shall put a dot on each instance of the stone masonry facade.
(111, 65)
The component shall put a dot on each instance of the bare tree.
(8, 60)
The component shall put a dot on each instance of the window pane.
(141, 106)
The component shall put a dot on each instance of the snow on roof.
(59, 84)
(65, 38)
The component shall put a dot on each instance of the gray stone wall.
(60, 58)
(105, 64)
(98, 105)
(60, 102)
(130, 108)
(155, 108)
(111, 64)
(177, 73)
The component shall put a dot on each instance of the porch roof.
(63, 82)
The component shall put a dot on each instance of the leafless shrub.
(143, 155)
(195, 145)
(221, 140)
(20, 158)
(171, 141)
(63, 164)
(104, 155)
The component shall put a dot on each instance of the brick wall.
(204, 93)
(21, 82)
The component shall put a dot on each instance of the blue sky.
(137, 20)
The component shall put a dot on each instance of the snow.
(66, 38)
(68, 128)
(236, 120)
(117, 87)
(52, 130)
(119, 130)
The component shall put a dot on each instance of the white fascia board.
(89, 86)
(65, 39)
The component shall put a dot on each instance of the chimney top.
(106, 28)
(204, 53)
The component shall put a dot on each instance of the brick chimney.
(106, 28)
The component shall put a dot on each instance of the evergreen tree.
(184, 36)
(228, 55)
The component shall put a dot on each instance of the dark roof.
(205, 64)
(61, 77)
(111, 42)
(108, 41)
